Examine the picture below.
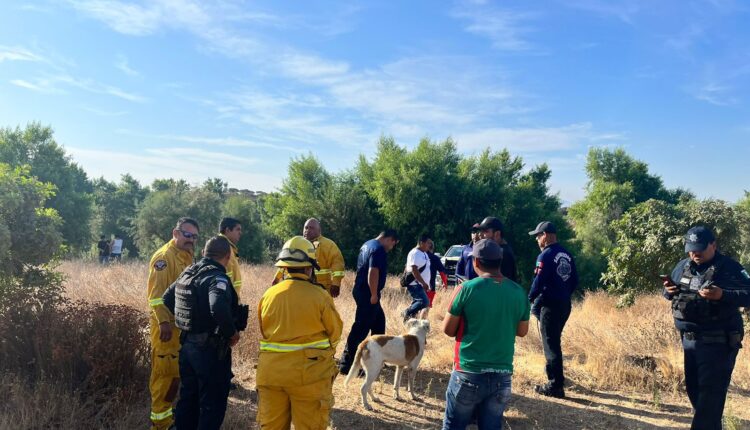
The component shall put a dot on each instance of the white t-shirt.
(116, 246)
(420, 259)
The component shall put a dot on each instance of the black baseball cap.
(698, 238)
(543, 227)
(487, 249)
(491, 223)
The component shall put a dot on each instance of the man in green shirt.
(485, 316)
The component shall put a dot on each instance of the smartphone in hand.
(667, 279)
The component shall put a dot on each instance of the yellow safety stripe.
(237, 283)
(289, 347)
(323, 271)
(155, 302)
(337, 274)
(156, 416)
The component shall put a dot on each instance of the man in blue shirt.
(465, 268)
(372, 268)
(555, 279)
(707, 289)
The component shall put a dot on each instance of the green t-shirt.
(490, 312)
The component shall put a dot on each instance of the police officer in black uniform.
(207, 311)
(706, 290)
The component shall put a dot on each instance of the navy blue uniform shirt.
(372, 254)
(508, 266)
(465, 265)
(435, 266)
(734, 281)
(555, 275)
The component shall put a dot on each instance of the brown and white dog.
(404, 352)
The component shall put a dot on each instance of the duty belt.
(707, 336)
(200, 338)
(289, 347)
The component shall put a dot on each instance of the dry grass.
(625, 366)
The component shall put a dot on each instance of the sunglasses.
(188, 235)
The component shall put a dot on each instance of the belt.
(706, 336)
(196, 337)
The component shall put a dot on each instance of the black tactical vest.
(186, 297)
(687, 305)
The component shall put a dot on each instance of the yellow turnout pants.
(307, 406)
(165, 376)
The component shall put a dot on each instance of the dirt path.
(582, 409)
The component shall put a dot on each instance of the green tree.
(161, 209)
(29, 231)
(617, 182)
(650, 241)
(36, 147)
(116, 207)
(302, 196)
(742, 209)
(252, 245)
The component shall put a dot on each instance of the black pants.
(708, 370)
(204, 377)
(368, 319)
(552, 319)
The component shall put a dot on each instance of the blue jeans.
(483, 394)
(419, 300)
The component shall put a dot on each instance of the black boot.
(550, 391)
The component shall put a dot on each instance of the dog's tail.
(356, 365)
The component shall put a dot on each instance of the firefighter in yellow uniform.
(329, 258)
(164, 268)
(300, 329)
(231, 229)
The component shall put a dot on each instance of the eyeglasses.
(188, 235)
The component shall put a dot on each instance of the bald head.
(312, 229)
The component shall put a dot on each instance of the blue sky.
(233, 89)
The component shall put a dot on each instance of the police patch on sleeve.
(221, 284)
(160, 265)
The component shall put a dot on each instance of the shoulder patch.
(221, 283)
(160, 265)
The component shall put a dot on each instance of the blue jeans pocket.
(464, 391)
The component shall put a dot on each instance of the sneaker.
(406, 316)
(550, 391)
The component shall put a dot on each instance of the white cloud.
(217, 141)
(122, 64)
(125, 18)
(533, 140)
(11, 53)
(506, 29)
(39, 86)
(624, 10)
(190, 164)
(56, 84)
(714, 93)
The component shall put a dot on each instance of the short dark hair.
(489, 264)
(216, 248)
(187, 220)
(102, 236)
(389, 232)
(228, 223)
(424, 238)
